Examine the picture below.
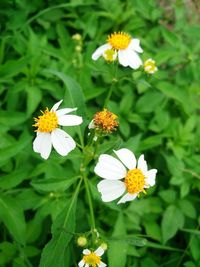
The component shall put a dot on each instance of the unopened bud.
(76, 37)
(104, 246)
(82, 241)
(78, 48)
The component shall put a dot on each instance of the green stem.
(89, 202)
(114, 80)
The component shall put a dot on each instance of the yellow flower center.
(47, 122)
(105, 120)
(150, 66)
(92, 259)
(119, 40)
(135, 181)
(109, 55)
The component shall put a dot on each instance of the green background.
(158, 116)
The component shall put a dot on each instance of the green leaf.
(153, 230)
(150, 142)
(15, 148)
(12, 216)
(118, 249)
(12, 118)
(73, 96)
(149, 101)
(172, 220)
(53, 184)
(54, 253)
(14, 178)
(13, 67)
(34, 97)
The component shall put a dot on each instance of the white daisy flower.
(49, 134)
(150, 66)
(121, 45)
(92, 258)
(135, 174)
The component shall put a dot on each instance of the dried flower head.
(104, 121)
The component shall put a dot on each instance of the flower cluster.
(123, 177)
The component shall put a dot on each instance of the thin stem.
(114, 80)
(89, 203)
(186, 249)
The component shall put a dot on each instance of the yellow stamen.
(110, 55)
(106, 121)
(47, 122)
(135, 181)
(92, 259)
(119, 40)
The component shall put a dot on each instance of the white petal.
(102, 264)
(151, 176)
(42, 144)
(142, 164)
(127, 197)
(81, 263)
(110, 168)
(62, 142)
(123, 59)
(69, 120)
(99, 251)
(110, 190)
(135, 45)
(87, 265)
(55, 107)
(91, 125)
(99, 51)
(64, 111)
(86, 251)
(127, 157)
(134, 60)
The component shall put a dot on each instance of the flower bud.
(82, 241)
(104, 246)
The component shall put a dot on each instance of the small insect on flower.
(150, 66)
(92, 259)
(104, 121)
(48, 132)
(136, 178)
(122, 46)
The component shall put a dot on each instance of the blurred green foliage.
(159, 116)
